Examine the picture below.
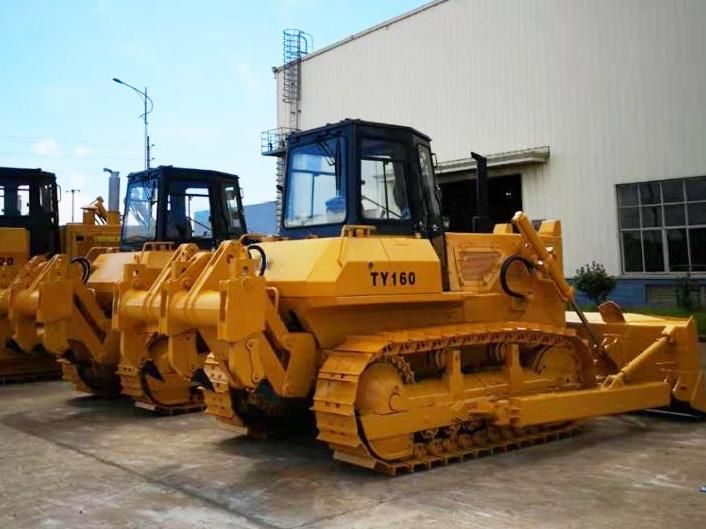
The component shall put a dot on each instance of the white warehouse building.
(592, 112)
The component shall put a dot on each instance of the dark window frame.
(661, 226)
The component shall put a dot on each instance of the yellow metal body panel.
(78, 238)
(352, 266)
(342, 279)
(14, 252)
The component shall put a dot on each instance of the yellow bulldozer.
(29, 235)
(404, 345)
(66, 309)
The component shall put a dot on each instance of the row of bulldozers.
(57, 283)
(29, 227)
(399, 344)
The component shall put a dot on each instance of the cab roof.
(23, 174)
(349, 123)
(169, 171)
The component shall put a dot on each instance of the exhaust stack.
(113, 195)
(481, 220)
(113, 189)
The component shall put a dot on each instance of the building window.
(663, 225)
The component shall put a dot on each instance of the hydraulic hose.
(263, 257)
(85, 267)
(504, 270)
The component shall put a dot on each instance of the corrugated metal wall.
(617, 89)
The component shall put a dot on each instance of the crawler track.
(102, 382)
(339, 422)
(160, 396)
(427, 460)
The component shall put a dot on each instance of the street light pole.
(147, 136)
(145, 98)
(73, 192)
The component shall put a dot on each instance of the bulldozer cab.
(360, 173)
(28, 199)
(182, 205)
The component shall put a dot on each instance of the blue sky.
(207, 64)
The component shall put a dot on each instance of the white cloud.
(82, 151)
(46, 148)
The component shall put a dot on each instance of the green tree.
(593, 280)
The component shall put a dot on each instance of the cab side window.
(426, 170)
(383, 187)
(230, 195)
(14, 200)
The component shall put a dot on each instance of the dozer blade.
(652, 348)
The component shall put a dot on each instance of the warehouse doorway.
(458, 200)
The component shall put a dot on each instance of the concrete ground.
(72, 461)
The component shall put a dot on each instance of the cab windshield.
(316, 192)
(140, 222)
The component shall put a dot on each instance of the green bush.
(593, 280)
(687, 291)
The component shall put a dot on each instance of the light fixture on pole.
(145, 98)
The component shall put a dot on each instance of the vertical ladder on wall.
(295, 45)
(280, 185)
